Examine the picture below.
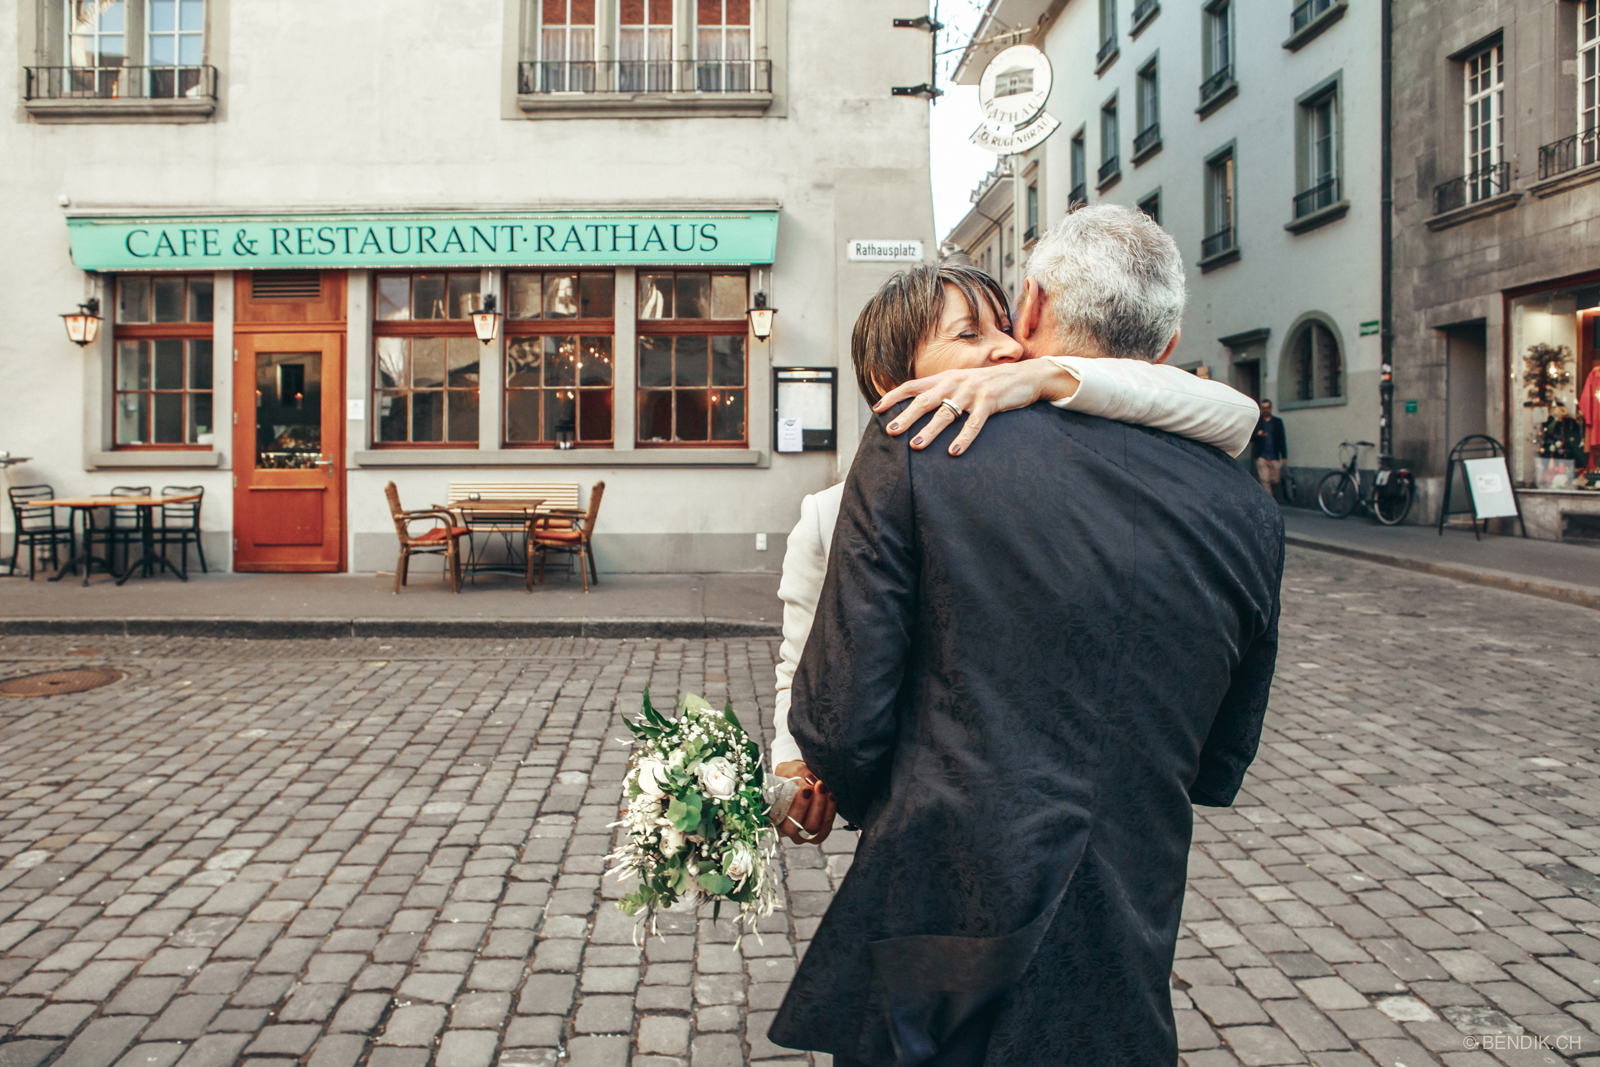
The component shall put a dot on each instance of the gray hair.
(1113, 279)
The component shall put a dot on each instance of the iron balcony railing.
(1147, 138)
(1307, 13)
(646, 76)
(1216, 83)
(1110, 169)
(1217, 243)
(1108, 48)
(1079, 194)
(1579, 150)
(1143, 10)
(1323, 194)
(1470, 188)
(121, 83)
(1030, 234)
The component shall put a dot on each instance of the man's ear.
(1172, 346)
(1030, 311)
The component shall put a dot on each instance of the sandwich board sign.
(1489, 485)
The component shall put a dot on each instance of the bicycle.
(1389, 498)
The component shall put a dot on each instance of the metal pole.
(1386, 242)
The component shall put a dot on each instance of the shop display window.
(693, 360)
(162, 380)
(559, 380)
(427, 360)
(1553, 387)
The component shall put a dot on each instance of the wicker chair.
(566, 531)
(445, 537)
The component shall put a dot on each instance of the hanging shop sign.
(454, 239)
(1012, 93)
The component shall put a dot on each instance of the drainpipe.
(1386, 239)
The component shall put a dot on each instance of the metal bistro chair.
(575, 537)
(180, 525)
(443, 538)
(121, 529)
(37, 527)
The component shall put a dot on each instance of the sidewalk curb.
(311, 629)
(1565, 592)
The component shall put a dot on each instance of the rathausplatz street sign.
(1012, 93)
(884, 251)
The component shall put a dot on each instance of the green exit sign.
(1411, 407)
(1370, 328)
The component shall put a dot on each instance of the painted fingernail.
(806, 793)
(894, 426)
(955, 450)
(916, 442)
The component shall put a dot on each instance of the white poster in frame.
(1489, 484)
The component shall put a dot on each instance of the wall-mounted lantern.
(761, 318)
(486, 320)
(83, 325)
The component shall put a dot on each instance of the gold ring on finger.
(955, 412)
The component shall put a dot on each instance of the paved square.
(389, 852)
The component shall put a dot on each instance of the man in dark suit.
(1027, 663)
(1270, 448)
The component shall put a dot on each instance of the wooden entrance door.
(288, 452)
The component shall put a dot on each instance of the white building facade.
(1251, 133)
(288, 213)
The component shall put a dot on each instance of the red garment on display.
(1589, 408)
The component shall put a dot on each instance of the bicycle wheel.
(1392, 508)
(1338, 495)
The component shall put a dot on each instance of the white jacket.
(1127, 390)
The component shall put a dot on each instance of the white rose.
(644, 809)
(652, 777)
(719, 777)
(738, 862)
(672, 840)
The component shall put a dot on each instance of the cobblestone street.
(389, 851)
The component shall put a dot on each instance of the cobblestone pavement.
(343, 852)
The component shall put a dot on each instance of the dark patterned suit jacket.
(1027, 662)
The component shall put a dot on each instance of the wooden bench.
(556, 496)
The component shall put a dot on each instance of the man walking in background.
(1271, 450)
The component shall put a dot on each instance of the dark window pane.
(727, 361)
(728, 296)
(560, 361)
(169, 299)
(200, 364)
(655, 415)
(595, 368)
(691, 408)
(596, 296)
(523, 361)
(522, 415)
(462, 296)
(168, 364)
(427, 296)
(727, 414)
(560, 296)
(427, 416)
(394, 415)
(394, 297)
(694, 296)
(168, 419)
(655, 361)
(462, 362)
(427, 362)
(132, 411)
(560, 412)
(655, 296)
(524, 296)
(200, 301)
(199, 416)
(594, 415)
(133, 299)
(692, 368)
(463, 405)
(133, 365)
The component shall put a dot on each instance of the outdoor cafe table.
(502, 516)
(85, 505)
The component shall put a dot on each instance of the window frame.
(1149, 201)
(577, 327)
(1588, 70)
(1110, 117)
(1223, 160)
(1492, 92)
(1147, 108)
(676, 327)
(132, 91)
(1308, 206)
(413, 329)
(151, 332)
(1078, 165)
(1289, 368)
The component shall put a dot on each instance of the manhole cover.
(53, 682)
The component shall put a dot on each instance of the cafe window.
(722, 46)
(427, 359)
(644, 40)
(162, 379)
(559, 383)
(566, 46)
(693, 370)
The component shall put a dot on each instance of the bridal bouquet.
(697, 822)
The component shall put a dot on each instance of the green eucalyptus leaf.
(716, 883)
